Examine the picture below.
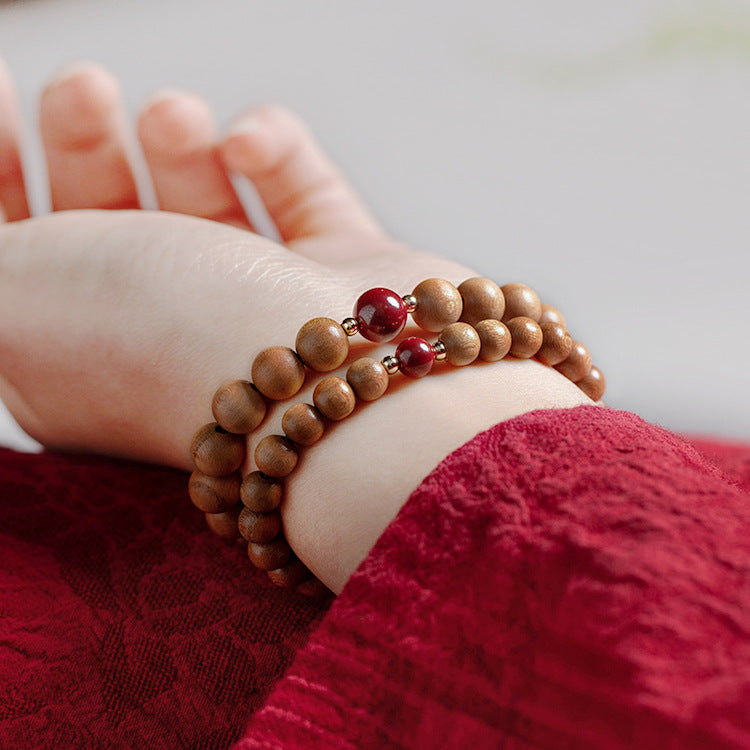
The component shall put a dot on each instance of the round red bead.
(381, 314)
(415, 357)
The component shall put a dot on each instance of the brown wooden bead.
(526, 337)
(577, 364)
(217, 452)
(270, 556)
(238, 407)
(556, 344)
(521, 301)
(439, 304)
(303, 424)
(260, 493)
(334, 398)
(494, 338)
(368, 378)
(322, 344)
(278, 373)
(551, 315)
(224, 524)
(483, 300)
(291, 575)
(276, 456)
(214, 494)
(260, 528)
(462, 344)
(593, 384)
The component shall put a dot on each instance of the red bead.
(381, 314)
(415, 357)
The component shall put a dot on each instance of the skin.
(117, 325)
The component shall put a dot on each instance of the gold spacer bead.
(391, 364)
(411, 303)
(440, 351)
(350, 326)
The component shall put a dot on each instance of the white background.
(599, 151)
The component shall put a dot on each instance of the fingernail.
(71, 69)
(244, 125)
(163, 93)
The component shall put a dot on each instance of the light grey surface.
(598, 151)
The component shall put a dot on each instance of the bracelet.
(476, 320)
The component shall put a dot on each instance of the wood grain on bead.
(214, 494)
(462, 344)
(368, 378)
(260, 528)
(224, 524)
(439, 304)
(334, 398)
(482, 300)
(278, 373)
(556, 344)
(270, 556)
(291, 575)
(593, 384)
(260, 493)
(322, 344)
(303, 424)
(494, 339)
(238, 407)
(276, 456)
(521, 301)
(577, 364)
(551, 315)
(526, 337)
(216, 452)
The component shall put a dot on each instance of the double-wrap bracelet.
(476, 320)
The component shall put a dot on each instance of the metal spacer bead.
(391, 364)
(411, 302)
(440, 351)
(350, 326)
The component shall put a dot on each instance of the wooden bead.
(260, 493)
(334, 398)
(275, 456)
(438, 304)
(526, 337)
(224, 524)
(291, 575)
(278, 373)
(368, 378)
(270, 556)
(462, 344)
(521, 301)
(260, 528)
(238, 407)
(214, 494)
(216, 452)
(593, 384)
(322, 344)
(303, 424)
(556, 344)
(482, 300)
(494, 338)
(551, 315)
(577, 364)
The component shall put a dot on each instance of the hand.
(117, 326)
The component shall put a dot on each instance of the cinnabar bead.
(260, 528)
(462, 344)
(224, 524)
(415, 357)
(521, 301)
(593, 384)
(291, 575)
(577, 364)
(439, 304)
(494, 338)
(214, 494)
(270, 556)
(303, 424)
(238, 407)
(526, 337)
(275, 456)
(260, 493)
(380, 314)
(322, 344)
(556, 344)
(216, 452)
(368, 378)
(334, 398)
(482, 300)
(278, 373)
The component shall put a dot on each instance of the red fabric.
(566, 579)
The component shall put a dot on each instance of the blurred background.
(598, 151)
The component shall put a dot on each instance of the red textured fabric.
(567, 579)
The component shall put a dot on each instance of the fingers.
(12, 190)
(178, 138)
(303, 192)
(82, 121)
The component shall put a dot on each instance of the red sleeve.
(571, 579)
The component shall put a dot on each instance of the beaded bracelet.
(478, 319)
